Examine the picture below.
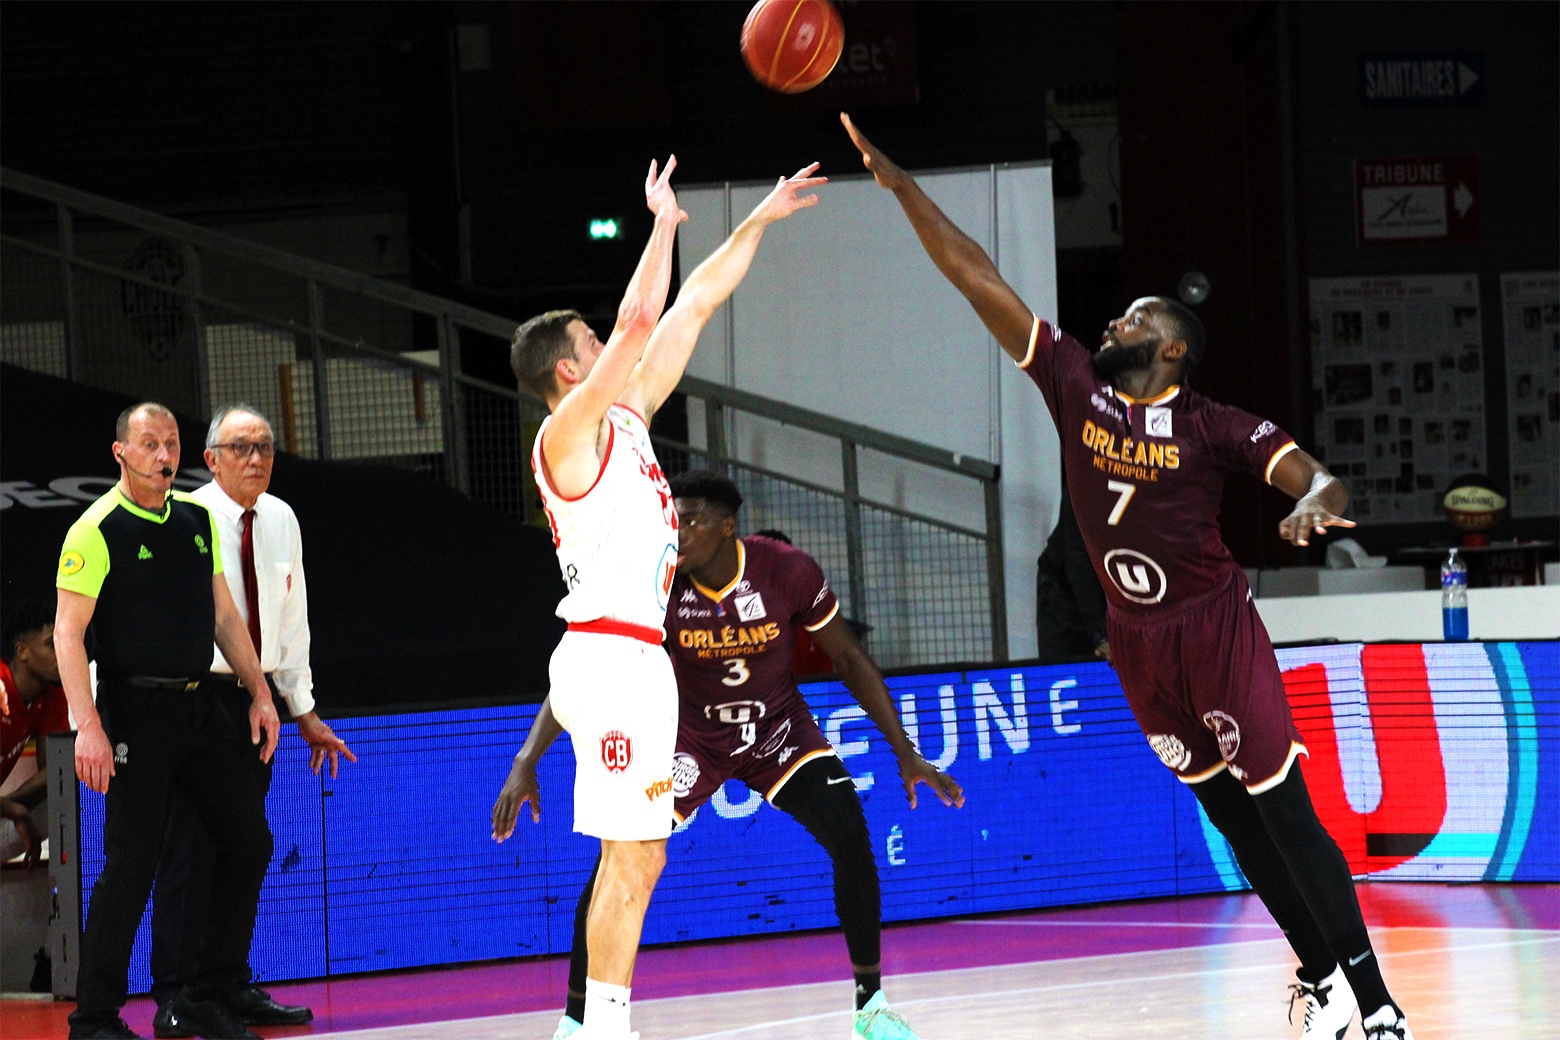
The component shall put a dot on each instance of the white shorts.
(617, 697)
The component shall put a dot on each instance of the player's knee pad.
(822, 798)
(1287, 808)
(1229, 806)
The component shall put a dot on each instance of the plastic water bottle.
(1454, 598)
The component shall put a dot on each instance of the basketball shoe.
(877, 1022)
(1329, 1006)
(1388, 1023)
(567, 1027)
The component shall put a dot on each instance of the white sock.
(606, 1008)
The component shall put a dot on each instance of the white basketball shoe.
(1387, 1023)
(1329, 1006)
(567, 1027)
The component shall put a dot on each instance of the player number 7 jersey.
(1146, 477)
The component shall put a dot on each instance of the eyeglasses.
(244, 449)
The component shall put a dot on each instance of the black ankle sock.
(1364, 975)
(575, 1008)
(867, 986)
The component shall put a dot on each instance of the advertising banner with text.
(1435, 762)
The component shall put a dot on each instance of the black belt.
(233, 680)
(162, 682)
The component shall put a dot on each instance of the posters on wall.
(1530, 305)
(1398, 389)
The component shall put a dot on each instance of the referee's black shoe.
(166, 1025)
(256, 1008)
(210, 1018)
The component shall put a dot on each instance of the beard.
(1113, 360)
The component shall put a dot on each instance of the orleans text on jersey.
(1146, 477)
(733, 648)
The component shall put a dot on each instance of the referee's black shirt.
(151, 574)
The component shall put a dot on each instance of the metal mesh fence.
(32, 312)
(927, 595)
(352, 371)
(924, 597)
(136, 339)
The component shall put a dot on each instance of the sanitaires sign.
(1422, 78)
(1416, 200)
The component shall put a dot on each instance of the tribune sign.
(1416, 200)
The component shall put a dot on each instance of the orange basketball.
(792, 45)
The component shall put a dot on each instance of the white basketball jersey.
(617, 543)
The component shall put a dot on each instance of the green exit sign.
(605, 229)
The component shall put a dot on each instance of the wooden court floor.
(1458, 983)
(1467, 962)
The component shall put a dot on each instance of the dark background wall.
(1237, 121)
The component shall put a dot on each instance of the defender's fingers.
(805, 171)
(666, 174)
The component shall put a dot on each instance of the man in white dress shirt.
(262, 553)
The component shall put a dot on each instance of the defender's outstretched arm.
(577, 418)
(959, 257)
(706, 289)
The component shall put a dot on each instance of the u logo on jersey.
(1136, 576)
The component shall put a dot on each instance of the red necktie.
(251, 586)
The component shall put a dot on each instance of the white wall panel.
(843, 313)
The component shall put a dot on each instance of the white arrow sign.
(1462, 199)
(1466, 78)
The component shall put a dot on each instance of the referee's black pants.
(165, 740)
(189, 858)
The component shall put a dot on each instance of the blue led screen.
(392, 864)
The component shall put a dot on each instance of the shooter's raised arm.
(959, 257)
(706, 289)
(577, 418)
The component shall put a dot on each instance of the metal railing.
(351, 367)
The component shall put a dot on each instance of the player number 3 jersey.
(733, 648)
(617, 543)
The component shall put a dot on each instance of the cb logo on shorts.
(616, 751)
(1136, 576)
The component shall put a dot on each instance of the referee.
(262, 560)
(143, 567)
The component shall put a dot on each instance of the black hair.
(1182, 323)
(23, 620)
(775, 533)
(714, 488)
(538, 346)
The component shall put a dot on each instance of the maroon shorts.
(1205, 687)
(762, 752)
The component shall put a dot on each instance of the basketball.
(792, 45)
(1473, 506)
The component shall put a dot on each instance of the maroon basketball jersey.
(733, 648)
(1146, 477)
